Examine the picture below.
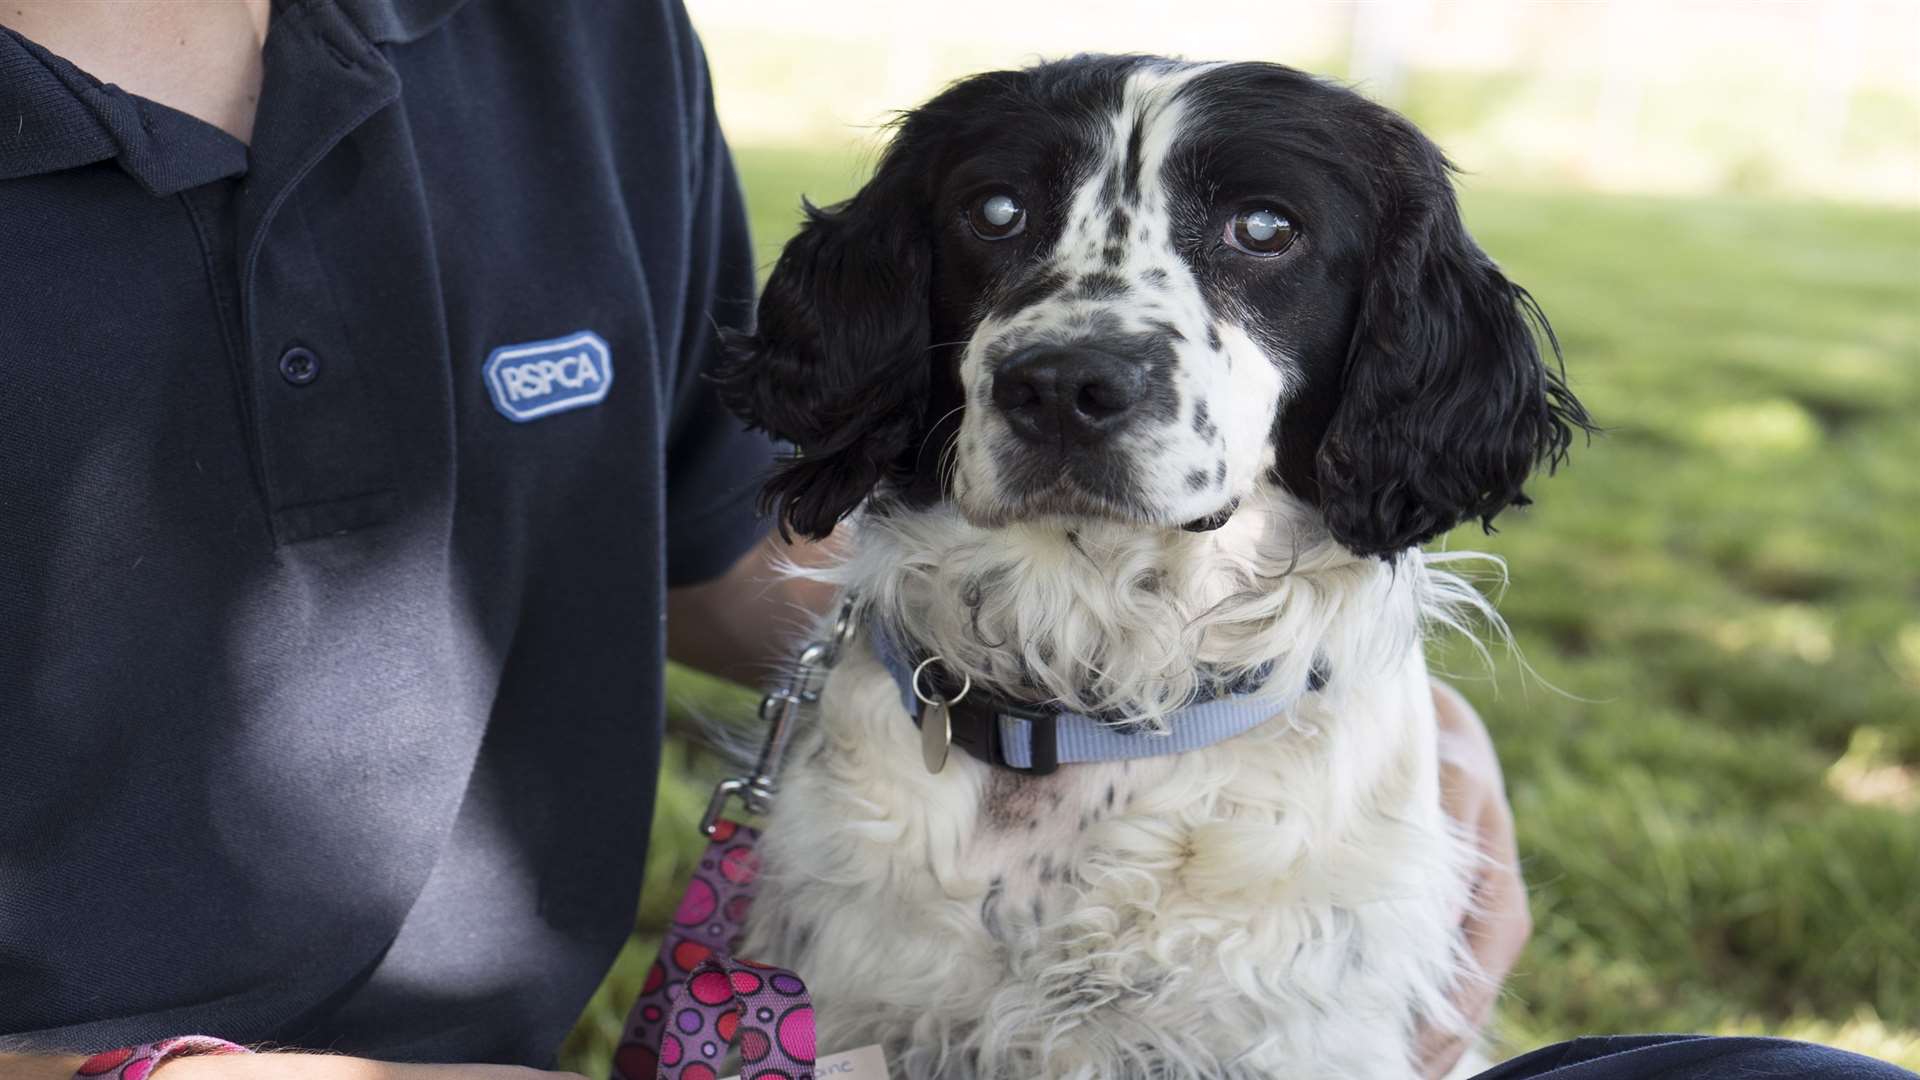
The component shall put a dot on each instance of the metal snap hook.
(843, 623)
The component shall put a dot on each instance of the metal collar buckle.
(1043, 724)
(972, 720)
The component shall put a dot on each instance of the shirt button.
(299, 366)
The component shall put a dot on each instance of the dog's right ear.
(838, 362)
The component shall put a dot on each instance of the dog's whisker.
(935, 427)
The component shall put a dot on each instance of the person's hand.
(1497, 924)
(331, 1067)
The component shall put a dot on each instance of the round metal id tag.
(936, 721)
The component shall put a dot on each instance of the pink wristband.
(135, 1062)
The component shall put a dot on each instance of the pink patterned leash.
(135, 1062)
(698, 1001)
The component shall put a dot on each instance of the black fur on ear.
(837, 364)
(1447, 405)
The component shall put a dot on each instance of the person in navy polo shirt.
(353, 444)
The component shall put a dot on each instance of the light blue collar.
(1037, 739)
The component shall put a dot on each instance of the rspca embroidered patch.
(540, 378)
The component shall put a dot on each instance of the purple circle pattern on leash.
(698, 1000)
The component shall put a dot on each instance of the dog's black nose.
(1052, 391)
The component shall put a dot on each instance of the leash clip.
(780, 709)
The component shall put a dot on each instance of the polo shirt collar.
(54, 116)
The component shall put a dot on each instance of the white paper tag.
(866, 1063)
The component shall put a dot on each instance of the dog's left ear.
(1447, 404)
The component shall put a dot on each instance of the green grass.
(1720, 816)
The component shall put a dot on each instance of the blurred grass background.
(1720, 816)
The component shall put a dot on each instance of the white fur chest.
(1283, 904)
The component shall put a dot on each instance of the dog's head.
(1136, 289)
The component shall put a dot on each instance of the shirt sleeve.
(715, 466)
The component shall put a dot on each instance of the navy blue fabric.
(1691, 1057)
(330, 697)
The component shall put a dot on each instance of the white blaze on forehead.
(1150, 108)
(1152, 100)
(1118, 233)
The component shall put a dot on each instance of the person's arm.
(35, 1067)
(1497, 924)
(276, 1067)
(744, 623)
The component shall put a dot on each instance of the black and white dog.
(1140, 382)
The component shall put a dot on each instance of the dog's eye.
(1260, 231)
(996, 216)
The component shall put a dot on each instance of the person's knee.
(1693, 1057)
